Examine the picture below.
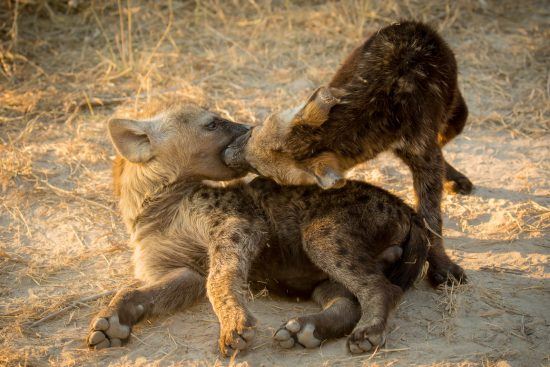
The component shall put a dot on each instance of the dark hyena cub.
(398, 91)
(192, 239)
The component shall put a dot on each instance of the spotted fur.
(398, 91)
(355, 250)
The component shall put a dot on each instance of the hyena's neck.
(134, 183)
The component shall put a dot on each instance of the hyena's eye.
(213, 125)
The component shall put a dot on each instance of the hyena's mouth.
(234, 154)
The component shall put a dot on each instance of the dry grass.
(66, 66)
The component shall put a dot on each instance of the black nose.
(234, 154)
(241, 129)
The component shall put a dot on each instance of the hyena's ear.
(316, 110)
(131, 139)
(329, 178)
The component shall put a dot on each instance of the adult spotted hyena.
(192, 239)
(398, 91)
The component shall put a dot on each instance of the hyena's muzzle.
(234, 154)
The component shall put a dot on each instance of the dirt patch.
(65, 67)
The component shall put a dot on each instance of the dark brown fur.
(193, 239)
(398, 91)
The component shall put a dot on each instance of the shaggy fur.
(398, 91)
(192, 239)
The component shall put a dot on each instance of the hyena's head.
(284, 147)
(184, 141)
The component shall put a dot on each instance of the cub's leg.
(347, 261)
(427, 170)
(340, 314)
(178, 289)
(231, 256)
(455, 182)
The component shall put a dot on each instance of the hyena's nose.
(240, 129)
(234, 154)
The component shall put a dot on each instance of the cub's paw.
(366, 338)
(449, 273)
(108, 330)
(459, 185)
(236, 335)
(297, 331)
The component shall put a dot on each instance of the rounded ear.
(131, 139)
(316, 110)
(329, 178)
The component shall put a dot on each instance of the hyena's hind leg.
(178, 289)
(346, 259)
(455, 182)
(427, 170)
(340, 314)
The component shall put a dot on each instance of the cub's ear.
(329, 178)
(131, 139)
(316, 110)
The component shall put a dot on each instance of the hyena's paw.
(459, 184)
(367, 337)
(450, 273)
(237, 334)
(108, 330)
(301, 331)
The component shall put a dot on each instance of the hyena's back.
(400, 83)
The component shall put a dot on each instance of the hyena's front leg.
(231, 255)
(428, 171)
(178, 289)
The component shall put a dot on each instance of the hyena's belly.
(294, 276)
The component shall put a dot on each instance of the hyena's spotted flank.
(353, 250)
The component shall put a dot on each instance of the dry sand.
(64, 70)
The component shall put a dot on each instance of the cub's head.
(183, 141)
(285, 146)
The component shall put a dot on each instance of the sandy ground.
(65, 70)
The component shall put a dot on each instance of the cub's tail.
(406, 270)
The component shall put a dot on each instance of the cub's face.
(269, 149)
(182, 141)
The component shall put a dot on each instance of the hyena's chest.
(180, 240)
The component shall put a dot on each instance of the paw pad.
(362, 341)
(107, 332)
(293, 331)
